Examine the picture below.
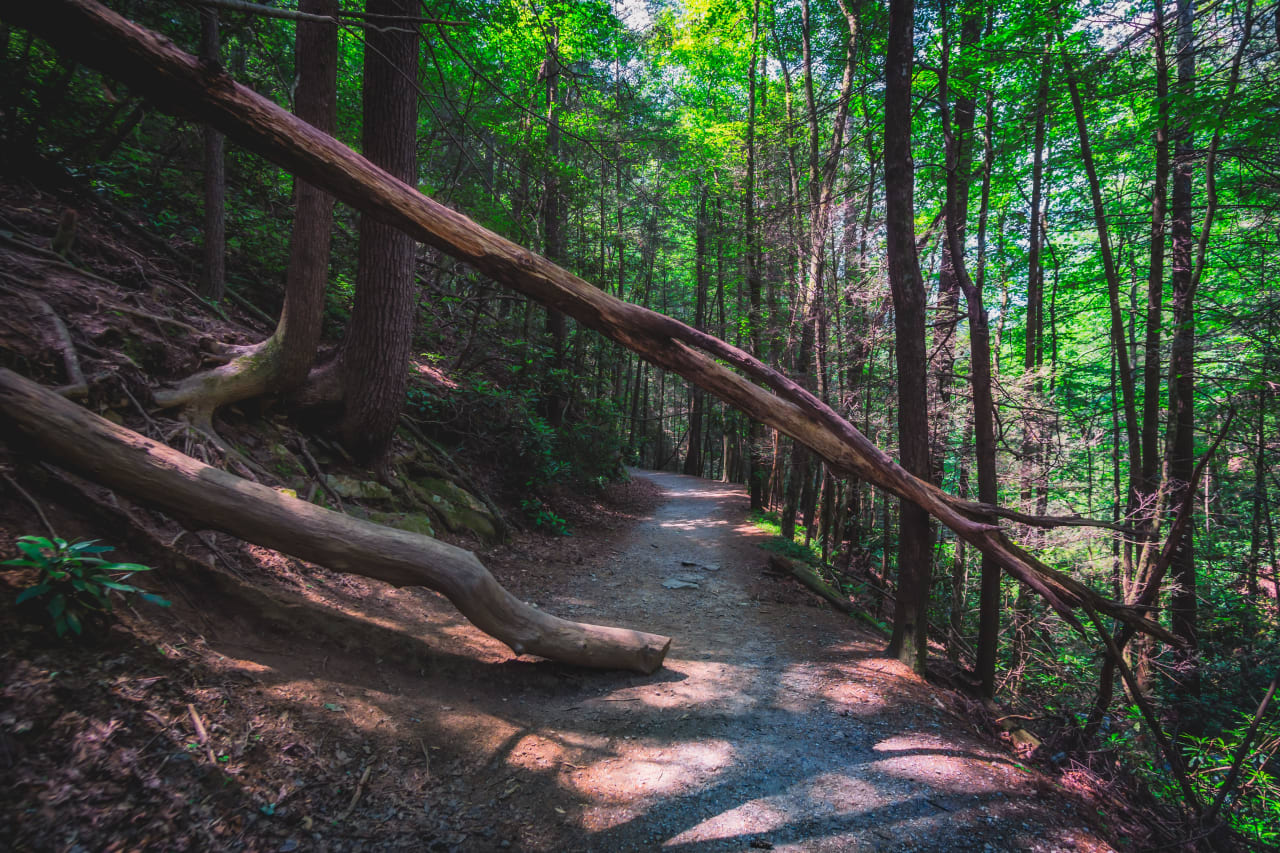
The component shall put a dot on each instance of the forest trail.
(372, 718)
(772, 723)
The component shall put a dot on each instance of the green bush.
(74, 581)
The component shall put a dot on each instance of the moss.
(413, 522)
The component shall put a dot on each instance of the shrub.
(74, 581)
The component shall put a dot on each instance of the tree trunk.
(908, 642)
(151, 64)
(1155, 277)
(758, 464)
(213, 276)
(280, 363)
(1182, 601)
(212, 499)
(553, 228)
(1112, 274)
(693, 458)
(375, 354)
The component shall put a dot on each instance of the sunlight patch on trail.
(646, 769)
(812, 799)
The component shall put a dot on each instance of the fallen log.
(93, 35)
(209, 498)
(811, 579)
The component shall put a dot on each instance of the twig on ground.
(151, 424)
(159, 318)
(318, 474)
(47, 526)
(355, 798)
(202, 735)
(426, 756)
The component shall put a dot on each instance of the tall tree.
(213, 276)
(758, 465)
(553, 221)
(820, 189)
(1182, 603)
(908, 641)
(375, 354)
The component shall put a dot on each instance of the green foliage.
(543, 518)
(771, 523)
(74, 581)
(1253, 807)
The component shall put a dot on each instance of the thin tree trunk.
(1182, 601)
(1112, 274)
(553, 225)
(213, 276)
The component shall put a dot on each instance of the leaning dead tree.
(94, 35)
(209, 498)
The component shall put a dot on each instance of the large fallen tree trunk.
(94, 35)
(209, 498)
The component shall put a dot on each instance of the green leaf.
(122, 587)
(33, 551)
(57, 606)
(33, 592)
(88, 547)
(74, 621)
(155, 599)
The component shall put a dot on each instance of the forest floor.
(349, 715)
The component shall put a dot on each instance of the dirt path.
(771, 724)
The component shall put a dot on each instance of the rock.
(413, 522)
(350, 487)
(458, 509)
(677, 583)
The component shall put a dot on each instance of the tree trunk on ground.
(213, 499)
(375, 354)
(910, 621)
(280, 363)
(213, 276)
(151, 64)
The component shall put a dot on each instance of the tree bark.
(909, 640)
(693, 457)
(375, 354)
(153, 65)
(757, 463)
(1155, 275)
(216, 500)
(213, 276)
(1182, 601)
(553, 226)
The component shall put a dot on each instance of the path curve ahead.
(779, 723)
